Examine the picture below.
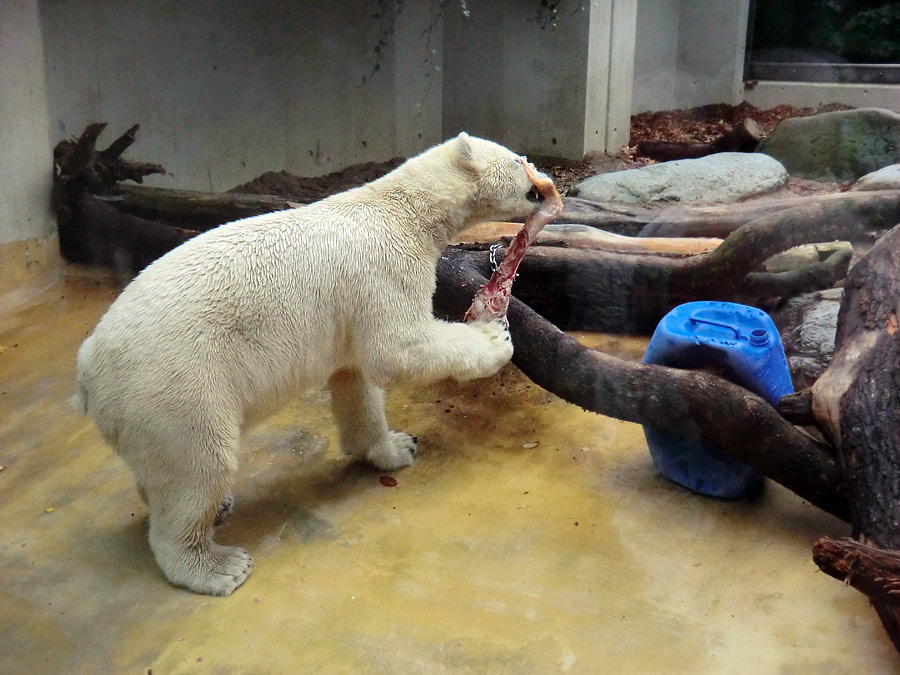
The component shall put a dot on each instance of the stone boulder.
(721, 178)
(808, 324)
(887, 178)
(841, 146)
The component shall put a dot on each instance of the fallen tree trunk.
(569, 235)
(720, 221)
(619, 218)
(856, 403)
(743, 137)
(675, 221)
(577, 289)
(80, 166)
(96, 233)
(193, 209)
(715, 222)
(203, 210)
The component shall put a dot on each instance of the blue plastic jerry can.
(734, 341)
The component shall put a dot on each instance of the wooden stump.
(856, 403)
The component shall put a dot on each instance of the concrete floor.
(489, 555)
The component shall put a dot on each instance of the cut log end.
(874, 572)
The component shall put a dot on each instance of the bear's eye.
(532, 195)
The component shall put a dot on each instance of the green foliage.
(858, 31)
(873, 36)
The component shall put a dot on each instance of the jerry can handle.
(737, 333)
(758, 337)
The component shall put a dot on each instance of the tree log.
(629, 294)
(570, 235)
(797, 407)
(722, 220)
(97, 234)
(193, 209)
(597, 290)
(619, 218)
(856, 403)
(715, 222)
(870, 570)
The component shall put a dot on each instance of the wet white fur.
(220, 331)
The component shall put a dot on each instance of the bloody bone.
(492, 300)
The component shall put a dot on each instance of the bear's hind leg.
(184, 507)
(224, 510)
(358, 407)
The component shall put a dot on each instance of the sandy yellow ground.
(489, 555)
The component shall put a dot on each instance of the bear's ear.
(465, 153)
(464, 145)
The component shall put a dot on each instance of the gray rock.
(887, 178)
(721, 178)
(807, 324)
(842, 145)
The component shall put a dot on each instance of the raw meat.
(492, 300)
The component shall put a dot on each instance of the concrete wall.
(767, 94)
(26, 156)
(227, 89)
(610, 75)
(562, 91)
(712, 37)
(689, 53)
(656, 58)
(508, 80)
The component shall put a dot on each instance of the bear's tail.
(79, 400)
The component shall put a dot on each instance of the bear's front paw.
(224, 510)
(393, 452)
(489, 352)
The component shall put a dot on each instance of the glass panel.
(825, 40)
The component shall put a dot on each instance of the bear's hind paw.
(213, 570)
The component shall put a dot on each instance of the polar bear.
(217, 333)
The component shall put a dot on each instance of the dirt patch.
(307, 189)
(697, 125)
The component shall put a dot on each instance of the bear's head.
(503, 190)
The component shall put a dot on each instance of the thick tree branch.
(687, 402)
(720, 221)
(803, 280)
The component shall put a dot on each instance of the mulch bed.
(708, 122)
